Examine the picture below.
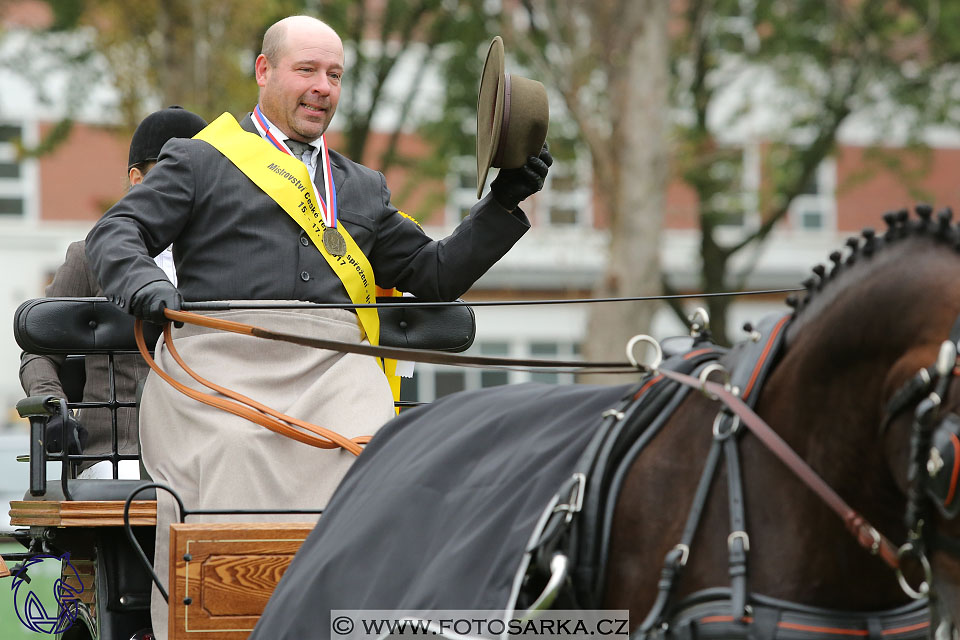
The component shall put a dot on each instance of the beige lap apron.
(216, 460)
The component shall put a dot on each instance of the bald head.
(299, 73)
(275, 37)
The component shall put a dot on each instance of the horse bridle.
(934, 464)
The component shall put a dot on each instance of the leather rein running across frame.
(865, 534)
(300, 430)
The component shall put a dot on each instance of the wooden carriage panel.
(81, 513)
(226, 572)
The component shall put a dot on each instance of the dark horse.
(405, 530)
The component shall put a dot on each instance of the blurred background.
(701, 146)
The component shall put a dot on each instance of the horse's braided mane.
(899, 226)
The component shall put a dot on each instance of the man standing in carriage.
(264, 210)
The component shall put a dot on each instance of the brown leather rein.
(300, 430)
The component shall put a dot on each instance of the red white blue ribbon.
(329, 213)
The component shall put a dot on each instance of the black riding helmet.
(157, 128)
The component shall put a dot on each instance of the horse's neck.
(853, 345)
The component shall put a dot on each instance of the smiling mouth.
(313, 108)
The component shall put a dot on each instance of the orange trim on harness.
(956, 468)
(763, 356)
(815, 629)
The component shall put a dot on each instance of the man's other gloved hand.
(151, 299)
(76, 435)
(512, 186)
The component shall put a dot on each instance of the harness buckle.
(575, 499)
(684, 554)
(699, 322)
(875, 536)
(739, 535)
(618, 415)
(934, 462)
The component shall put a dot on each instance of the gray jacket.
(232, 242)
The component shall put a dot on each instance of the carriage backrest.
(96, 325)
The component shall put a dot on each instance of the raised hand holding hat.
(512, 118)
(513, 186)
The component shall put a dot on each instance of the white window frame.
(823, 202)
(23, 187)
(519, 348)
(539, 206)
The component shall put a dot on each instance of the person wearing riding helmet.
(91, 430)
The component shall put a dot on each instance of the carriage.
(672, 499)
(108, 578)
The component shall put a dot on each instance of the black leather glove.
(151, 299)
(53, 435)
(512, 186)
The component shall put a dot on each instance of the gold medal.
(333, 242)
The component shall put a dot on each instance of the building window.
(431, 381)
(12, 187)
(10, 170)
(815, 208)
(566, 198)
(11, 206)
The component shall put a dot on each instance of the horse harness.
(568, 549)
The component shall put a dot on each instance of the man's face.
(299, 93)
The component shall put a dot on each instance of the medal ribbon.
(329, 213)
(286, 180)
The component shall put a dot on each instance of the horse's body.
(872, 326)
(854, 340)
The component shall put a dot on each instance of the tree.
(200, 54)
(608, 59)
(805, 68)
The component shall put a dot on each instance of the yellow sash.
(286, 180)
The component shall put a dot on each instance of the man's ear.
(260, 69)
(135, 175)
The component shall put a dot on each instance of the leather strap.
(413, 355)
(865, 534)
(245, 407)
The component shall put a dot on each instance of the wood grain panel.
(226, 572)
(81, 513)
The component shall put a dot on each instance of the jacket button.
(304, 276)
(304, 241)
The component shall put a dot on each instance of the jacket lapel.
(247, 124)
(339, 174)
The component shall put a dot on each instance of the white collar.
(281, 136)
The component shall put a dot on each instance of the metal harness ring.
(924, 589)
(658, 352)
(705, 375)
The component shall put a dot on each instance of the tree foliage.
(608, 59)
(200, 54)
(798, 71)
